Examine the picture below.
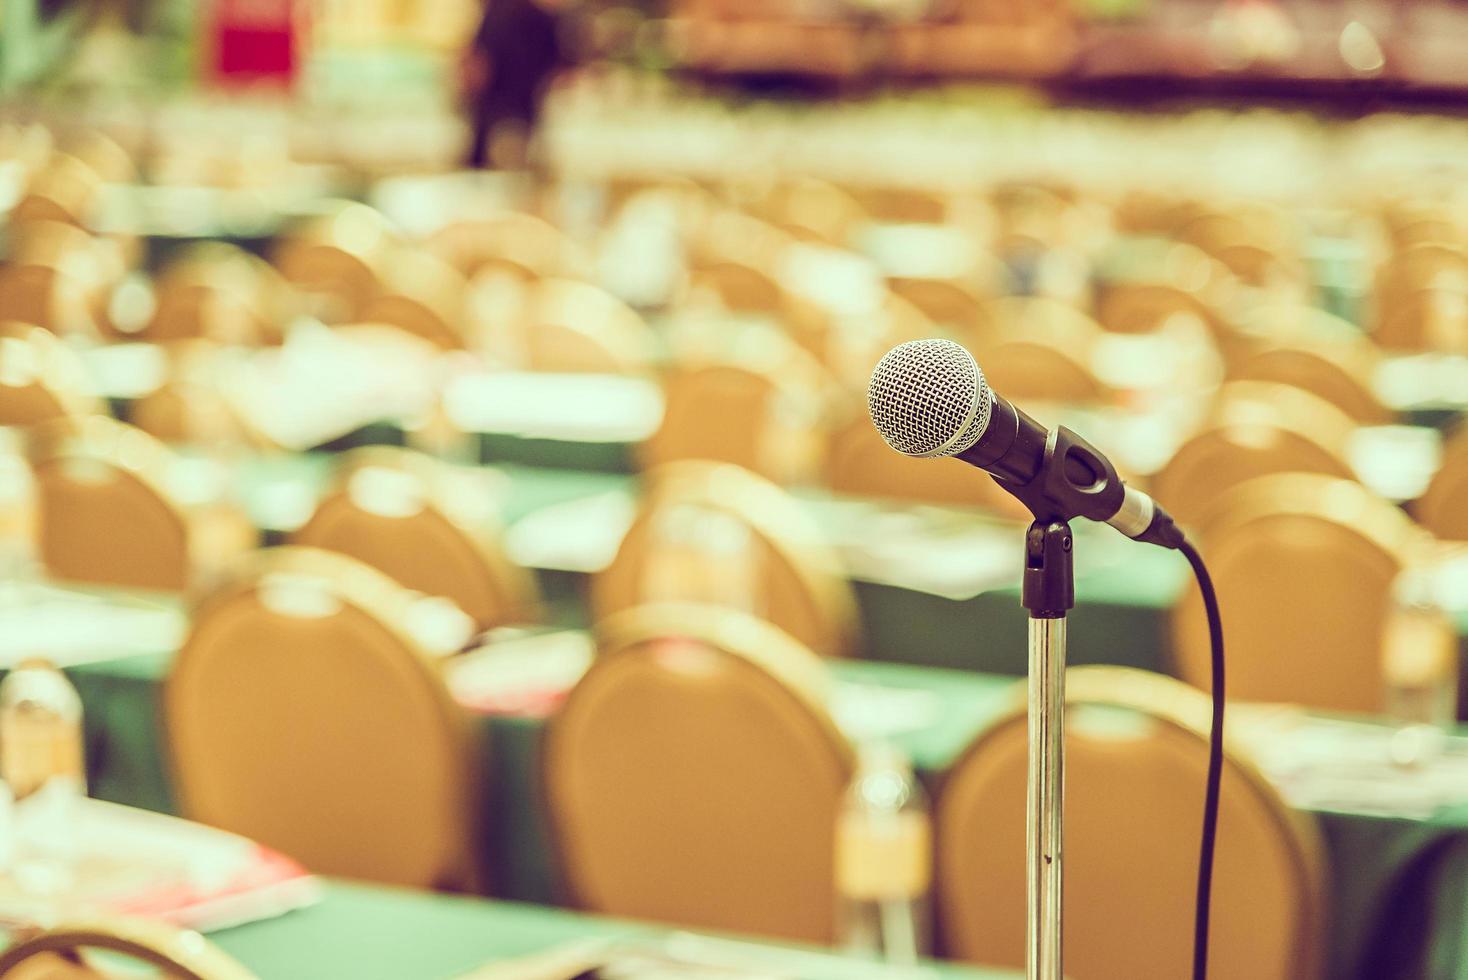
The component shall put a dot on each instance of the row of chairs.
(694, 775)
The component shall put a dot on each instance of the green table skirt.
(1398, 903)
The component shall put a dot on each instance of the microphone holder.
(1073, 480)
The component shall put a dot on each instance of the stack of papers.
(1355, 766)
(70, 627)
(138, 863)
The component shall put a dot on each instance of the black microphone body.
(1054, 473)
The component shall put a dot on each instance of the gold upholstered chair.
(420, 294)
(218, 292)
(1256, 428)
(694, 776)
(1137, 753)
(765, 413)
(41, 378)
(575, 327)
(717, 534)
(410, 517)
(307, 711)
(1443, 508)
(338, 259)
(115, 508)
(1305, 566)
(1043, 350)
(161, 950)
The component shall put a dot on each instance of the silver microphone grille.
(929, 398)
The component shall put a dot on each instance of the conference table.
(370, 932)
(1398, 899)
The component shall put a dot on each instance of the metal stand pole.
(1048, 593)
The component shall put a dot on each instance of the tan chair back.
(65, 189)
(959, 306)
(1256, 429)
(740, 288)
(576, 327)
(422, 295)
(110, 513)
(56, 953)
(307, 711)
(518, 244)
(339, 258)
(1145, 307)
(694, 776)
(860, 464)
(1137, 753)
(1340, 376)
(1443, 508)
(403, 513)
(41, 378)
(219, 292)
(765, 417)
(776, 565)
(1043, 350)
(1305, 567)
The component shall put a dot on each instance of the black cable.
(1215, 764)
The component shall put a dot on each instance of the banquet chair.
(714, 533)
(739, 287)
(1340, 375)
(1137, 753)
(218, 292)
(58, 952)
(1305, 566)
(955, 304)
(1043, 350)
(65, 189)
(337, 259)
(764, 412)
(516, 244)
(1142, 307)
(693, 776)
(902, 205)
(307, 711)
(420, 294)
(860, 464)
(1255, 428)
(56, 276)
(114, 508)
(575, 327)
(404, 514)
(41, 378)
(1443, 507)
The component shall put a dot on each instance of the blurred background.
(435, 461)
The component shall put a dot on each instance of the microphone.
(929, 399)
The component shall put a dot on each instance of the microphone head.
(929, 398)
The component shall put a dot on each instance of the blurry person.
(511, 62)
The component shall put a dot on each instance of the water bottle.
(884, 860)
(42, 767)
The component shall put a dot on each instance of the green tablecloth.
(1398, 899)
(368, 932)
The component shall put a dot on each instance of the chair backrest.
(1340, 377)
(403, 513)
(41, 378)
(721, 535)
(573, 327)
(959, 306)
(1305, 567)
(1256, 429)
(764, 414)
(106, 514)
(1142, 307)
(339, 258)
(53, 954)
(860, 464)
(219, 292)
(520, 244)
(1443, 508)
(307, 711)
(1042, 350)
(421, 294)
(694, 776)
(741, 288)
(1137, 752)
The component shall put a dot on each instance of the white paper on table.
(131, 861)
(69, 628)
(577, 536)
(571, 407)
(518, 669)
(1341, 764)
(872, 711)
(1395, 461)
(923, 549)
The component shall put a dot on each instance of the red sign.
(256, 41)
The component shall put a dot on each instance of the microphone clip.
(1074, 479)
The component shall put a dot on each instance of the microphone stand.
(1048, 593)
(1073, 480)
